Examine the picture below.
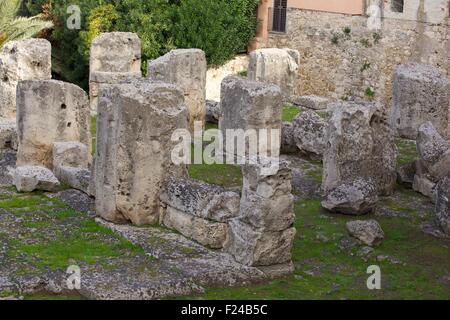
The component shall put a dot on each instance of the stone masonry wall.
(341, 58)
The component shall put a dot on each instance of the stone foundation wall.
(341, 58)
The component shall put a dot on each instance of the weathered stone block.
(30, 178)
(443, 204)
(8, 134)
(424, 185)
(276, 66)
(201, 200)
(21, 60)
(70, 154)
(309, 133)
(208, 233)
(310, 102)
(114, 57)
(356, 197)
(76, 178)
(369, 231)
(258, 247)
(421, 94)
(186, 68)
(247, 104)
(49, 111)
(212, 111)
(359, 143)
(136, 121)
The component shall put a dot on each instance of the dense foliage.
(221, 28)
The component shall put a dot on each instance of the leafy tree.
(13, 27)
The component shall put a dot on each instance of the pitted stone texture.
(114, 57)
(423, 184)
(276, 66)
(359, 143)
(309, 133)
(421, 94)
(369, 232)
(30, 178)
(21, 60)
(356, 197)
(212, 111)
(288, 144)
(247, 104)
(208, 233)
(310, 102)
(47, 112)
(8, 134)
(185, 68)
(136, 121)
(76, 178)
(201, 200)
(263, 234)
(406, 173)
(258, 247)
(70, 154)
(443, 204)
(434, 151)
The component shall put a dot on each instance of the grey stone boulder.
(424, 185)
(70, 154)
(434, 150)
(367, 231)
(31, 178)
(310, 102)
(421, 93)
(443, 204)
(288, 144)
(406, 173)
(355, 197)
(76, 178)
(212, 111)
(201, 200)
(309, 133)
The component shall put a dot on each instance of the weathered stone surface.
(310, 102)
(201, 200)
(212, 111)
(76, 178)
(263, 234)
(253, 247)
(356, 197)
(434, 151)
(247, 104)
(406, 173)
(359, 143)
(8, 134)
(309, 133)
(276, 66)
(443, 204)
(288, 144)
(47, 112)
(114, 57)
(186, 68)
(136, 121)
(369, 231)
(21, 60)
(421, 94)
(30, 178)
(424, 185)
(70, 154)
(208, 233)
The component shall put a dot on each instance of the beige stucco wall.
(339, 6)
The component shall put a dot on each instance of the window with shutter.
(279, 16)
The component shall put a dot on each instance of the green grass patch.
(407, 151)
(290, 112)
(221, 174)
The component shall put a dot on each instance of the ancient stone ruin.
(21, 60)
(135, 121)
(359, 146)
(421, 93)
(185, 68)
(276, 66)
(114, 57)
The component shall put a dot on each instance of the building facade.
(350, 48)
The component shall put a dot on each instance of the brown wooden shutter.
(279, 15)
